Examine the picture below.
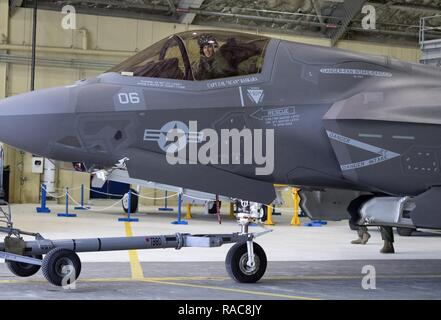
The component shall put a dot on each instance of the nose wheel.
(246, 261)
(238, 266)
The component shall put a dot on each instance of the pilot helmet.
(206, 39)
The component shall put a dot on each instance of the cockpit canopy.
(181, 56)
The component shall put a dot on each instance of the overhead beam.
(251, 17)
(188, 18)
(408, 6)
(350, 8)
(120, 4)
(172, 6)
(48, 5)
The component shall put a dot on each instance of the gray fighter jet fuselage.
(340, 119)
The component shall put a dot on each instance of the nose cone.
(27, 121)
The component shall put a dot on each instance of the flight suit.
(213, 68)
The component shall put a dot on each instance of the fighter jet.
(232, 114)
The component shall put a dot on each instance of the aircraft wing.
(382, 137)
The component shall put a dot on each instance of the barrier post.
(269, 219)
(188, 216)
(43, 208)
(165, 208)
(67, 214)
(129, 207)
(295, 221)
(82, 207)
(232, 215)
(179, 221)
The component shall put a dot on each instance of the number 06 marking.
(126, 98)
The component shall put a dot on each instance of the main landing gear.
(61, 266)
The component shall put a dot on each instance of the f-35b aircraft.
(319, 118)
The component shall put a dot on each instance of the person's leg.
(363, 236)
(387, 234)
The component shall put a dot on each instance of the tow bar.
(245, 262)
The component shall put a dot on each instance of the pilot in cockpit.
(233, 58)
(212, 64)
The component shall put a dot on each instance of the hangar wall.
(97, 39)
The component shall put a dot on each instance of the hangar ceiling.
(397, 20)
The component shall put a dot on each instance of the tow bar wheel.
(236, 263)
(61, 267)
(21, 269)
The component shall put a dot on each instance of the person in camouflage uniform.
(212, 64)
(232, 59)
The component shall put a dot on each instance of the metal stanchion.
(67, 214)
(43, 208)
(82, 207)
(179, 221)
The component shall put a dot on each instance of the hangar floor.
(304, 262)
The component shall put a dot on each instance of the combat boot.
(388, 247)
(363, 236)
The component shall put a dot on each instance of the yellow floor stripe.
(258, 293)
(152, 279)
(135, 266)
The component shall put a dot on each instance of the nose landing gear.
(246, 261)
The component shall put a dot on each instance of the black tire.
(133, 202)
(405, 232)
(236, 259)
(265, 213)
(53, 263)
(21, 269)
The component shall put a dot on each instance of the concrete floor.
(304, 262)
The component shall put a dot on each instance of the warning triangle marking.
(255, 95)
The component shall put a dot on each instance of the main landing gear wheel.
(236, 263)
(264, 216)
(61, 267)
(133, 202)
(21, 269)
